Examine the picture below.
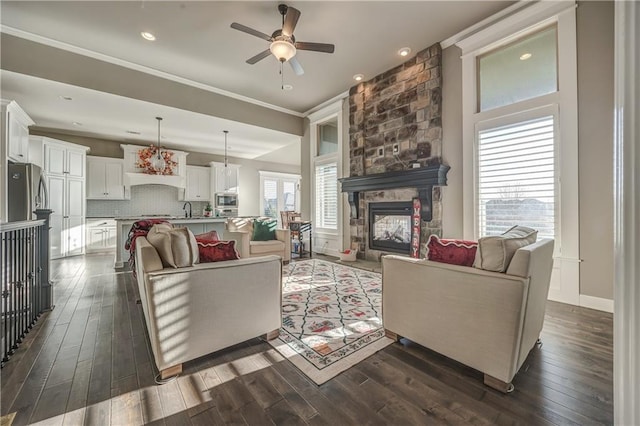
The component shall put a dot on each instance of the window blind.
(326, 178)
(289, 194)
(516, 177)
(270, 201)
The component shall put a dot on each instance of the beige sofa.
(196, 310)
(241, 230)
(486, 320)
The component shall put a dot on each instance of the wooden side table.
(298, 229)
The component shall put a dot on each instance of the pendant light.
(226, 163)
(157, 161)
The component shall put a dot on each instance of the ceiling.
(195, 42)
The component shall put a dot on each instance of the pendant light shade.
(157, 161)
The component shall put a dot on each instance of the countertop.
(180, 219)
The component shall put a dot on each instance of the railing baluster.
(21, 279)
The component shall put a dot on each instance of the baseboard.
(598, 303)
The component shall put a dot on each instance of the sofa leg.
(171, 371)
(271, 335)
(391, 335)
(497, 384)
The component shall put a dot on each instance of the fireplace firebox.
(390, 226)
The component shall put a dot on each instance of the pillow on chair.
(455, 252)
(264, 229)
(495, 252)
(177, 247)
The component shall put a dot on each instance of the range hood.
(133, 179)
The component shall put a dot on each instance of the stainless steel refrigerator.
(27, 191)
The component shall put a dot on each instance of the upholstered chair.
(241, 229)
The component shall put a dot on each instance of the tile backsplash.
(145, 200)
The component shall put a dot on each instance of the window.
(326, 208)
(521, 70)
(278, 192)
(516, 177)
(328, 140)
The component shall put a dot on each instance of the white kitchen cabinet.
(16, 127)
(226, 179)
(101, 235)
(198, 184)
(65, 170)
(104, 178)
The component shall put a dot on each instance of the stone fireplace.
(395, 145)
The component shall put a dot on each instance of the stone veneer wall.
(402, 106)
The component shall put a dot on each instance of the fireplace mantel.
(423, 179)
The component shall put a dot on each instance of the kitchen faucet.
(184, 207)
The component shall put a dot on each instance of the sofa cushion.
(215, 251)
(263, 247)
(239, 224)
(264, 229)
(177, 247)
(208, 236)
(455, 252)
(495, 252)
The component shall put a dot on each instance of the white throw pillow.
(495, 252)
(177, 247)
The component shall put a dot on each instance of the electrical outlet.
(396, 148)
(380, 152)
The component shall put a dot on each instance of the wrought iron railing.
(26, 289)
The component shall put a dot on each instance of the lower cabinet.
(101, 235)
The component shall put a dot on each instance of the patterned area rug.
(331, 317)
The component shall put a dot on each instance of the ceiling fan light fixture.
(282, 50)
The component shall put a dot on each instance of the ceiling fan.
(283, 43)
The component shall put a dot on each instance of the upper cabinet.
(226, 179)
(198, 184)
(104, 178)
(63, 158)
(16, 131)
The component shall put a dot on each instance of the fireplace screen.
(390, 226)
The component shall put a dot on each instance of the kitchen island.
(197, 225)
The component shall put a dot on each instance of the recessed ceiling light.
(65, 98)
(525, 56)
(75, 123)
(287, 87)
(133, 132)
(358, 77)
(147, 36)
(404, 51)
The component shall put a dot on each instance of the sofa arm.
(284, 235)
(242, 240)
(467, 314)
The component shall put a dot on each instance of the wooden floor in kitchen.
(88, 361)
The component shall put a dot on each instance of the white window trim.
(521, 23)
(279, 177)
(316, 119)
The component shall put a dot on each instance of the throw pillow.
(495, 252)
(215, 251)
(455, 252)
(208, 236)
(264, 230)
(177, 247)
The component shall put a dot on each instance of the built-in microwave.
(226, 200)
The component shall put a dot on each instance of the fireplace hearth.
(390, 226)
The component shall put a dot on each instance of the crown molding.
(137, 67)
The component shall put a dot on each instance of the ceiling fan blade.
(290, 21)
(260, 56)
(251, 31)
(316, 47)
(295, 65)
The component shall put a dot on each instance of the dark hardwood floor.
(88, 362)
